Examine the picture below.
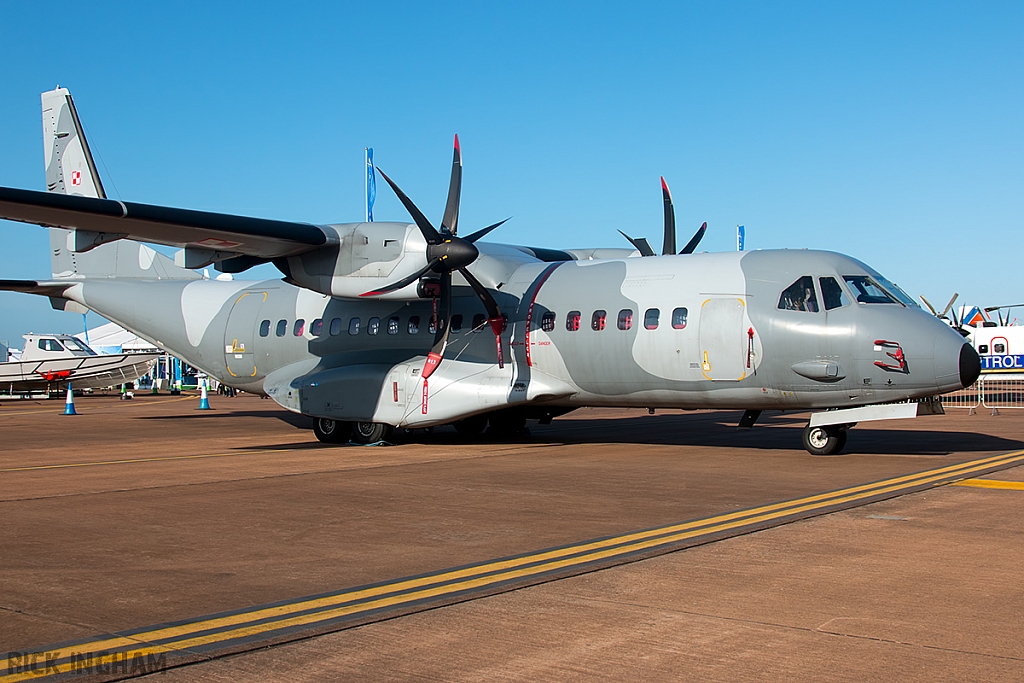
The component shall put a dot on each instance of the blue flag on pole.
(741, 233)
(371, 185)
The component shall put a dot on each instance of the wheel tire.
(824, 440)
(331, 431)
(471, 426)
(370, 432)
(842, 441)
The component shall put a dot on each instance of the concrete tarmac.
(146, 512)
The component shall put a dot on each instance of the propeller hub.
(454, 253)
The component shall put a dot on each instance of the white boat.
(50, 361)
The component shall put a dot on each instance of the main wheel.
(370, 432)
(471, 426)
(824, 440)
(331, 431)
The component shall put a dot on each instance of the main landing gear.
(370, 432)
(337, 431)
(825, 440)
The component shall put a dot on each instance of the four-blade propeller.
(669, 241)
(447, 253)
(948, 311)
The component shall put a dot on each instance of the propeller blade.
(493, 313)
(482, 233)
(431, 235)
(929, 306)
(640, 244)
(695, 240)
(395, 286)
(444, 314)
(996, 308)
(490, 305)
(949, 305)
(450, 222)
(441, 328)
(669, 245)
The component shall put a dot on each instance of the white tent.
(112, 338)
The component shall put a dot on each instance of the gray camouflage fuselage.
(584, 328)
(737, 349)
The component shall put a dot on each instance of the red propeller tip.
(433, 360)
(664, 185)
(457, 142)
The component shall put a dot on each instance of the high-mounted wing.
(41, 287)
(208, 235)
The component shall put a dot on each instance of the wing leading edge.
(107, 219)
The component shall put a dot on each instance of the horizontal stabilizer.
(162, 225)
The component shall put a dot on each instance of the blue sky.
(890, 132)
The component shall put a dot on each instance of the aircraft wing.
(41, 287)
(111, 219)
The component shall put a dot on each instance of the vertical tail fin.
(70, 169)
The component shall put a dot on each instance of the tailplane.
(70, 169)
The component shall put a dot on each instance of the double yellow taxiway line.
(145, 649)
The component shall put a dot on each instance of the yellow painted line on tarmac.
(305, 614)
(59, 466)
(991, 484)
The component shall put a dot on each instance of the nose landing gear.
(825, 440)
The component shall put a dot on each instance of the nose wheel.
(828, 440)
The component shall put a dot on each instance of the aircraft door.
(723, 339)
(240, 334)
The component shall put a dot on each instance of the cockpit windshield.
(75, 345)
(894, 289)
(868, 291)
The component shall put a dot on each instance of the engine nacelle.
(363, 258)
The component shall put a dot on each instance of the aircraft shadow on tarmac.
(294, 419)
(773, 431)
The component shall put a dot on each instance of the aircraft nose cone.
(970, 365)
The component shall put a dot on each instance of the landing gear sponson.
(501, 424)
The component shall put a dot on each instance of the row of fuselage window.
(573, 322)
(373, 326)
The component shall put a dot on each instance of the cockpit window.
(799, 296)
(832, 295)
(894, 289)
(76, 345)
(868, 291)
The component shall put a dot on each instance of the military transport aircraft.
(383, 325)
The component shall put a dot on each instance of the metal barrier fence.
(968, 397)
(997, 392)
(990, 392)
